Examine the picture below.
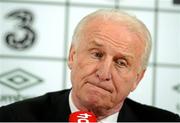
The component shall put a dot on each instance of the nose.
(104, 71)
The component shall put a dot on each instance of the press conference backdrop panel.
(35, 36)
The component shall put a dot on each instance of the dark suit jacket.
(55, 107)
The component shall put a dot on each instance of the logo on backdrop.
(177, 89)
(22, 35)
(18, 80)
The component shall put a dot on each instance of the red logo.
(82, 117)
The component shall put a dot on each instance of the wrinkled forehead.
(111, 28)
(112, 32)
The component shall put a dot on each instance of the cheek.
(85, 66)
(123, 85)
(80, 71)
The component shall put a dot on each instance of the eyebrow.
(96, 43)
(126, 56)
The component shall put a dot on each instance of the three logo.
(24, 28)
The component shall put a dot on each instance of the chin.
(95, 101)
(89, 98)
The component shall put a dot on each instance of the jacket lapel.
(126, 113)
(61, 103)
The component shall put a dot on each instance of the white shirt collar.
(71, 104)
(110, 119)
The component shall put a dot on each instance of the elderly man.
(108, 57)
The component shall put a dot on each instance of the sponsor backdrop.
(35, 36)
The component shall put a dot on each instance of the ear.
(71, 56)
(138, 79)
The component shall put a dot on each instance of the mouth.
(101, 86)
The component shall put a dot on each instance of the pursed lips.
(99, 85)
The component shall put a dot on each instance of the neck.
(100, 112)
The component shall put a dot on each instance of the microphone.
(82, 117)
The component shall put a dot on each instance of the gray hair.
(130, 21)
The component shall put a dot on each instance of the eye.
(97, 54)
(121, 63)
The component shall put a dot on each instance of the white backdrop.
(35, 62)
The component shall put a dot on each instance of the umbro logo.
(19, 79)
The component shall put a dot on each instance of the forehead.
(113, 33)
(112, 28)
(116, 32)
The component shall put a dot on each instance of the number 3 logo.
(25, 19)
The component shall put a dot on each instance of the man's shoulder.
(50, 97)
(36, 107)
(150, 113)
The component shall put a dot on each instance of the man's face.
(106, 65)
